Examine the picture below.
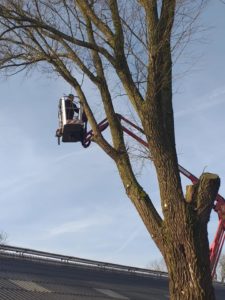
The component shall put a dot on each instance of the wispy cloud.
(127, 241)
(25, 177)
(77, 226)
(204, 103)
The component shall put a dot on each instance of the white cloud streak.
(215, 99)
(127, 241)
(77, 226)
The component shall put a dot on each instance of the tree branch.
(87, 10)
(23, 18)
(121, 65)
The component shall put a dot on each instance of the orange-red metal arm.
(219, 206)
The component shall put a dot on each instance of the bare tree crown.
(126, 47)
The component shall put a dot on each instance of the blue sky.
(69, 200)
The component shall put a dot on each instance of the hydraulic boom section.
(219, 205)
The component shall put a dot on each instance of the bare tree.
(126, 47)
(157, 265)
(3, 238)
(222, 267)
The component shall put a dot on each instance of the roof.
(27, 274)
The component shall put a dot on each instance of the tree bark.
(188, 276)
(186, 249)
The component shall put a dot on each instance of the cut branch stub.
(202, 195)
(207, 190)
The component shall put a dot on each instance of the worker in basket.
(71, 107)
(72, 120)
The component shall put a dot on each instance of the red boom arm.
(219, 205)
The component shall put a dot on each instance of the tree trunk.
(186, 246)
(189, 273)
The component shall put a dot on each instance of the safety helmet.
(71, 96)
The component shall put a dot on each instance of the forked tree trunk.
(186, 246)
